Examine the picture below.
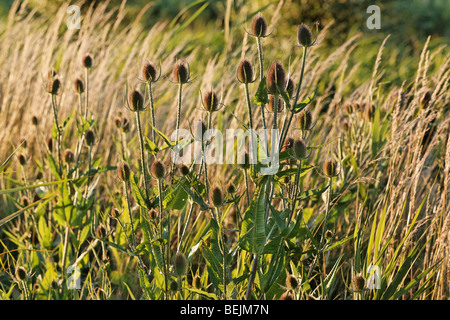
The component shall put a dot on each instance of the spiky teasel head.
(244, 162)
(300, 150)
(291, 282)
(87, 61)
(180, 264)
(125, 125)
(158, 170)
(217, 196)
(305, 121)
(276, 78)
(287, 296)
(53, 85)
(22, 159)
(124, 172)
(149, 72)
(78, 86)
(21, 273)
(330, 168)
(89, 137)
(34, 121)
(197, 282)
(304, 36)
(259, 27)
(270, 105)
(184, 170)
(181, 73)
(135, 101)
(359, 282)
(369, 112)
(231, 188)
(210, 101)
(245, 72)
(69, 156)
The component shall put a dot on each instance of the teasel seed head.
(158, 170)
(78, 86)
(280, 104)
(87, 61)
(49, 142)
(245, 162)
(300, 150)
(21, 273)
(245, 72)
(118, 122)
(291, 282)
(136, 100)
(259, 26)
(359, 282)
(330, 168)
(276, 77)
(287, 296)
(34, 121)
(22, 159)
(197, 282)
(304, 36)
(125, 125)
(184, 170)
(231, 188)
(124, 172)
(180, 264)
(305, 120)
(217, 196)
(149, 72)
(69, 157)
(210, 101)
(54, 84)
(181, 73)
(89, 136)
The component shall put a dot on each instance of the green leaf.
(261, 96)
(302, 105)
(137, 192)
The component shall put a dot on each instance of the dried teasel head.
(305, 120)
(124, 172)
(181, 73)
(78, 86)
(54, 85)
(291, 282)
(158, 170)
(304, 36)
(359, 282)
(245, 72)
(149, 72)
(87, 61)
(276, 78)
(69, 156)
(270, 105)
(180, 264)
(330, 168)
(184, 170)
(244, 162)
(231, 188)
(135, 100)
(34, 121)
(300, 150)
(217, 196)
(89, 137)
(259, 26)
(210, 101)
(22, 159)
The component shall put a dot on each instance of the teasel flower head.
(22, 159)
(181, 73)
(124, 172)
(259, 27)
(69, 156)
(34, 121)
(359, 282)
(125, 125)
(54, 85)
(245, 72)
(280, 104)
(300, 150)
(276, 78)
(158, 170)
(217, 196)
(87, 61)
(231, 188)
(78, 86)
(330, 168)
(149, 72)
(305, 120)
(291, 282)
(197, 282)
(210, 101)
(21, 273)
(89, 137)
(244, 162)
(305, 37)
(135, 101)
(180, 264)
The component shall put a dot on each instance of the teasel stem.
(161, 231)
(261, 79)
(295, 190)
(141, 145)
(246, 187)
(180, 91)
(66, 244)
(297, 96)
(224, 262)
(152, 111)
(251, 280)
(250, 115)
(55, 112)
(87, 93)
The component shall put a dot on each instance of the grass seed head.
(89, 137)
(304, 36)
(276, 78)
(180, 264)
(124, 172)
(259, 26)
(245, 72)
(158, 170)
(136, 100)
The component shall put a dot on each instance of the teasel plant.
(149, 76)
(79, 89)
(87, 63)
(53, 88)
